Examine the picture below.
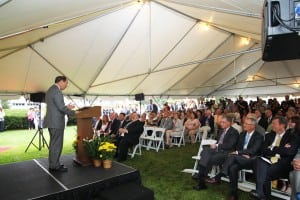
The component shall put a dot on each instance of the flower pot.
(107, 164)
(97, 162)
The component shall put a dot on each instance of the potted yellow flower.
(91, 146)
(107, 151)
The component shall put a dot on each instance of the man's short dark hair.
(60, 78)
(121, 113)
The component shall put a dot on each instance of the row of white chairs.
(153, 138)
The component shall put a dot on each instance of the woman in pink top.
(192, 127)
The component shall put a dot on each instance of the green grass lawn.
(160, 171)
(17, 140)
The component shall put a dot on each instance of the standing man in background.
(55, 121)
(152, 107)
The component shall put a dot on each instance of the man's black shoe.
(254, 194)
(195, 176)
(60, 169)
(199, 187)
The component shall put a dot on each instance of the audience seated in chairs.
(103, 126)
(177, 129)
(234, 123)
(279, 149)
(248, 148)
(295, 177)
(114, 124)
(258, 128)
(151, 121)
(207, 124)
(131, 132)
(216, 154)
(262, 121)
(192, 127)
(295, 174)
(166, 122)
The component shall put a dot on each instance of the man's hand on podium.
(70, 106)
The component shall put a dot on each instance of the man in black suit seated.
(248, 148)
(131, 132)
(207, 124)
(114, 125)
(216, 154)
(279, 149)
(262, 121)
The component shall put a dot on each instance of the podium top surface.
(88, 112)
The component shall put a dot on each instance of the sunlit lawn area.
(14, 143)
(160, 171)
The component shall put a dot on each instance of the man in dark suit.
(207, 124)
(114, 125)
(216, 154)
(248, 148)
(262, 121)
(132, 132)
(279, 149)
(55, 121)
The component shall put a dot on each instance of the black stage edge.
(32, 180)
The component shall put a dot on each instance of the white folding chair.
(145, 138)
(197, 157)
(156, 140)
(178, 140)
(198, 136)
(136, 149)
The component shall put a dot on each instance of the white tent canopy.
(121, 48)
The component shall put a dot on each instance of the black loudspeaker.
(280, 38)
(37, 97)
(139, 97)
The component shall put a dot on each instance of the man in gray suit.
(55, 121)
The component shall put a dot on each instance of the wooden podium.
(85, 131)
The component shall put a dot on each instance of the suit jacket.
(167, 123)
(211, 123)
(230, 140)
(56, 109)
(135, 129)
(286, 154)
(254, 145)
(123, 124)
(263, 122)
(114, 126)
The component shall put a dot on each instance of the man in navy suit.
(248, 148)
(55, 121)
(279, 149)
(216, 154)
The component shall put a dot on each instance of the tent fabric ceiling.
(121, 48)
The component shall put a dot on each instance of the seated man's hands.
(296, 164)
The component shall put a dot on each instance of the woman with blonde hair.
(177, 129)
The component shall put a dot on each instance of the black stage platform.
(32, 180)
